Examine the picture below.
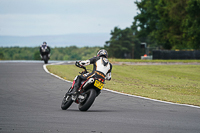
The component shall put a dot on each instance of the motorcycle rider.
(43, 51)
(101, 69)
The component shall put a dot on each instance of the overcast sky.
(58, 17)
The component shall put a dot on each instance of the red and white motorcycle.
(87, 92)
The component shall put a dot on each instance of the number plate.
(98, 84)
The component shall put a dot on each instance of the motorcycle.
(88, 91)
(45, 54)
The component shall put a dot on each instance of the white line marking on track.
(44, 67)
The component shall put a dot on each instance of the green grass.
(174, 83)
(154, 61)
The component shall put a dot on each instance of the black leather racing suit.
(45, 50)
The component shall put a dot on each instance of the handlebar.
(80, 66)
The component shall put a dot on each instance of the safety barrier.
(170, 54)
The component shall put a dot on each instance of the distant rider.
(101, 69)
(44, 50)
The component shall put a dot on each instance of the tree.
(1, 56)
(146, 20)
(37, 55)
(170, 30)
(29, 53)
(173, 24)
(121, 44)
(192, 24)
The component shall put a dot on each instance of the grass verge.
(174, 83)
(154, 61)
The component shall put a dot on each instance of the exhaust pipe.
(91, 80)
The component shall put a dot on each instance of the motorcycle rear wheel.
(90, 97)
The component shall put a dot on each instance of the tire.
(90, 97)
(45, 59)
(66, 102)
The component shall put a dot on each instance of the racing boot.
(76, 86)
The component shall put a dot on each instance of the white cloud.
(53, 17)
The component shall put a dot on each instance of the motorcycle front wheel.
(66, 102)
(45, 59)
(90, 97)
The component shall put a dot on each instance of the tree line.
(161, 24)
(164, 24)
(57, 53)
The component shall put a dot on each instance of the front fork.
(74, 82)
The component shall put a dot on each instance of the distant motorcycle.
(87, 92)
(45, 54)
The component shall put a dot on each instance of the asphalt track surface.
(30, 102)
